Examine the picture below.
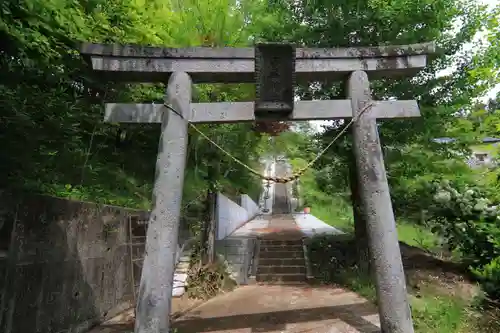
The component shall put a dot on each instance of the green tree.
(411, 156)
(52, 103)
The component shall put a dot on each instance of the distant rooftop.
(448, 140)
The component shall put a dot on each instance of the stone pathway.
(271, 308)
(124, 322)
(281, 308)
(296, 308)
(282, 227)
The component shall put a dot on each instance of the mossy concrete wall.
(65, 265)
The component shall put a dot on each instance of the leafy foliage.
(469, 223)
(448, 103)
(54, 141)
(52, 104)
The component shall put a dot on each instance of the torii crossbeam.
(182, 67)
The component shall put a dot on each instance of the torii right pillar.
(385, 254)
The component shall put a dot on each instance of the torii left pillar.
(155, 291)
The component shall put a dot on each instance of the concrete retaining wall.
(250, 206)
(230, 216)
(65, 264)
(238, 252)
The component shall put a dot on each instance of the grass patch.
(336, 210)
(416, 235)
(333, 210)
(438, 304)
(431, 313)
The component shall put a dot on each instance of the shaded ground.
(282, 309)
(273, 309)
(124, 322)
(444, 276)
(422, 270)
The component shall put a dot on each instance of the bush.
(489, 275)
(331, 256)
(469, 223)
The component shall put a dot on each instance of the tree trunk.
(209, 223)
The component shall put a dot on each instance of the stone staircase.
(281, 262)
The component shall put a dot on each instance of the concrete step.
(270, 248)
(281, 278)
(281, 270)
(280, 242)
(281, 254)
(281, 261)
(182, 267)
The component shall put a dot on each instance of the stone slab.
(251, 207)
(230, 112)
(290, 309)
(310, 225)
(141, 51)
(226, 65)
(251, 228)
(179, 286)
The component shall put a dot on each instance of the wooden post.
(155, 291)
(394, 310)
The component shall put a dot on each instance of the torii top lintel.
(133, 63)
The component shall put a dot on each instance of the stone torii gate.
(275, 68)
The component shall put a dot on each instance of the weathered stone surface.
(230, 216)
(238, 252)
(235, 242)
(249, 205)
(283, 308)
(155, 291)
(224, 65)
(394, 310)
(65, 264)
(231, 112)
(139, 51)
(274, 80)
